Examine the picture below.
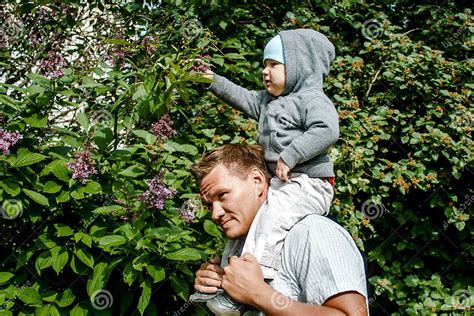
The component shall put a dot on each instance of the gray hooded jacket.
(301, 124)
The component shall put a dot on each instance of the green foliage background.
(401, 83)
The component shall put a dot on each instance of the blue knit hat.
(274, 50)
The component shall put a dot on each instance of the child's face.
(274, 77)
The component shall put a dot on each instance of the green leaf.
(140, 92)
(63, 197)
(58, 168)
(63, 230)
(223, 24)
(66, 298)
(103, 137)
(29, 296)
(59, 261)
(85, 257)
(37, 197)
(52, 187)
(26, 158)
(5, 99)
(39, 79)
(132, 171)
(147, 136)
(47, 310)
(184, 254)
(98, 278)
(180, 286)
(5, 276)
(83, 120)
(129, 274)
(43, 261)
(78, 267)
(209, 132)
(157, 273)
(105, 210)
(10, 187)
(92, 187)
(211, 228)
(79, 310)
(145, 297)
(37, 120)
(112, 240)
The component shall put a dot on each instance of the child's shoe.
(224, 305)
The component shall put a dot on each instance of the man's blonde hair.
(239, 159)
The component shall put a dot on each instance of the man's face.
(274, 77)
(234, 201)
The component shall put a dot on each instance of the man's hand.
(209, 277)
(282, 170)
(242, 278)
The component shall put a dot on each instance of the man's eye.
(221, 195)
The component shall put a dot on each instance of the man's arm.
(243, 280)
(272, 302)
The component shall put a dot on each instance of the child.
(297, 124)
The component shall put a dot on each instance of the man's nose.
(217, 211)
(265, 71)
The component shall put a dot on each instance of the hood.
(308, 55)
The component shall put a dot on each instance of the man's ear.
(258, 178)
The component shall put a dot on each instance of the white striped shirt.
(319, 260)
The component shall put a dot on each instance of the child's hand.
(282, 170)
(209, 277)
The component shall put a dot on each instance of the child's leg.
(287, 204)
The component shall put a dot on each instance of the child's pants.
(287, 203)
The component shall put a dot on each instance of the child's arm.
(321, 124)
(236, 96)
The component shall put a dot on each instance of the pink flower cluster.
(7, 140)
(199, 66)
(53, 66)
(149, 48)
(164, 127)
(157, 193)
(83, 166)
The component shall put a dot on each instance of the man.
(321, 271)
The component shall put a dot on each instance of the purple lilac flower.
(53, 66)
(7, 140)
(164, 127)
(83, 166)
(149, 48)
(33, 37)
(157, 193)
(199, 65)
